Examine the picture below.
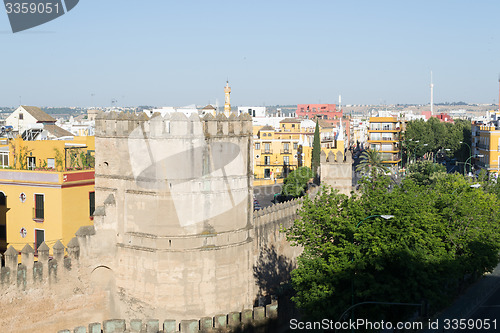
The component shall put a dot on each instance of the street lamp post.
(467, 161)
(385, 217)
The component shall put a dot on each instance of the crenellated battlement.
(336, 171)
(113, 124)
(336, 158)
(258, 317)
(29, 273)
(278, 213)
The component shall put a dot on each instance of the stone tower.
(174, 198)
(227, 99)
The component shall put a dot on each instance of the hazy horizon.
(174, 54)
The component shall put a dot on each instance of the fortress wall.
(274, 257)
(336, 171)
(44, 295)
(175, 194)
(257, 318)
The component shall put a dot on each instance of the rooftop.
(38, 114)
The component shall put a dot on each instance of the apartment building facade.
(278, 151)
(384, 136)
(486, 144)
(46, 191)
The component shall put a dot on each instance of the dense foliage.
(426, 172)
(295, 184)
(434, 135)
(371, 163)
(442, 235)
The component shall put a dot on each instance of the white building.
(254, 111)
(34, 124)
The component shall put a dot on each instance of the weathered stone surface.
(247, 316)
(135, 325)
(87, 230)
(206, 323)
(114, 326)
(259, 313)
(11, 258)
(233, 319)
(169, 326)
(220, 321)
(272, 311)
(337, 174)
(80, 329)
(95, 328)
(21, 276)
(38, 272)
(152, 325)
(190, 326)
(74, 249)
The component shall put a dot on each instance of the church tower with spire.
(227, 103)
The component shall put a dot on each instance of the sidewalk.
(477, 293)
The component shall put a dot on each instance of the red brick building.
(322, 111)
(444, 117)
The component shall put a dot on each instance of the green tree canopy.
(295, 184)
(426, 172)
(441, 234)
(433, 136)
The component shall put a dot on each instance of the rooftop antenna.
(432, 96)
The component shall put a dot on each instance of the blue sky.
(154, 52)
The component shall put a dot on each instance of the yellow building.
(384, 135)
(279, 150)
(486, 144)
(46, 191)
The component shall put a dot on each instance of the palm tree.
(371, 162)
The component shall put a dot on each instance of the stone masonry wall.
(174, 197)
(50, 293)
(274, 257)
(336, 171)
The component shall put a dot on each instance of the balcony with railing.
(377, 127)
(483, 146)
(286, 151)
(267, 151)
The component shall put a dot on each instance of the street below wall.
(265, 194)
